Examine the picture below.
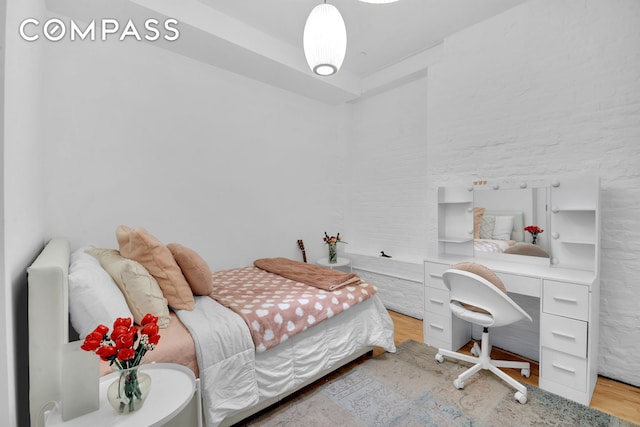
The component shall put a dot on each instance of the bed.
(223, 393)
(497, 231)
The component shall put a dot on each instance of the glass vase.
(128, 392)
(333, 253)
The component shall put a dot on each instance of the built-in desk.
(568, 313)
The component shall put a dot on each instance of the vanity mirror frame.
(528, 205)
(572, 221)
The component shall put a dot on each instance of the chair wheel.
(520, 397)
(525, 372)
(439, 358)
(475, 350)
(458, 384)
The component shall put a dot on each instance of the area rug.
(409, 388)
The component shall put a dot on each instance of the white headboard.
(48, 308)
(517, 232)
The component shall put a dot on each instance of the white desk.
(340, 262)
(172, 387)
(568, 312)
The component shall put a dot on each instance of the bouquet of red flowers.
(534, 230)
(119, 348)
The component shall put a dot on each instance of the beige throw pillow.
(477, 221)
(486, 274)
(194, 267)
(140, 289)
(139, 245)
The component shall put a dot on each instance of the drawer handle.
(563, 299)
(563, 368)
(435, 276)
(436, 301)
(436, 326)
(563, 335)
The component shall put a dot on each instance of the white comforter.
(233, 378)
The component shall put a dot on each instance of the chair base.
(484, 361)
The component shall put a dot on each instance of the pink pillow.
(194, 267)
(139, 245)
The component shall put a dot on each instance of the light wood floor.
(610, 396)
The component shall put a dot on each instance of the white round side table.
(340, 262)
(172, 387)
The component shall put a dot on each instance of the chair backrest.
(469, 288)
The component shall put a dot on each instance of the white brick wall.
(386, 202)
(552, 87)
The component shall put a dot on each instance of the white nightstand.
(340, 262)
(172, 387)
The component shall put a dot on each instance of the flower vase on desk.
(332, 242)
(534, 230)
(333, 253)
(128, 392)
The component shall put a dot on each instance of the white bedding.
(492, 245)
(233, 377)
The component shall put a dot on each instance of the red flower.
(148, 318)
(90, 345)
(119, 330)
(150, 329)
(125, 341)
(106, 352)
(102, 330)
(122, 321)
(533, 229)
(154, 339)
(126, 354)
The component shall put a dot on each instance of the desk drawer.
(561, 333)
(437, 301)
(437, 327)
(563, 368)
(433, 275)
(565, 299)
(521, 284)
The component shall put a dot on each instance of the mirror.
(500, 218)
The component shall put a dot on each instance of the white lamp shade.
(325, 40)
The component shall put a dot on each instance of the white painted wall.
(22, 208)
(387, 203)
(552, 87)
(228, 166)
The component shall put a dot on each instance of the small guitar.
(304, 254)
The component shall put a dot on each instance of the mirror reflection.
(508, 221)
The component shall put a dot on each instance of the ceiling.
(262, 39)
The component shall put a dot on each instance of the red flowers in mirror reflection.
(119, 347)
(534, 230)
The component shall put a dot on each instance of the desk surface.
(536, 269)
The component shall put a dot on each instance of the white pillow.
(502, 228)
(94, 298)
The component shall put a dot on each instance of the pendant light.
(325, 39)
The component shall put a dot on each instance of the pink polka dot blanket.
(276, 308)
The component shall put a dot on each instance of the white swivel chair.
(478, 296)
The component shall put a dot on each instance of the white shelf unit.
(575, 223)
(455, 220)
